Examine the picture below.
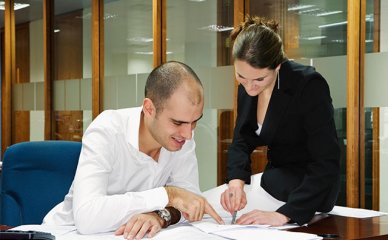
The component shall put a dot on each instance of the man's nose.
(186, 131)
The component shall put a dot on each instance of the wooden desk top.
(348, 227)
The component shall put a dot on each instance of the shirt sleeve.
(93, 208)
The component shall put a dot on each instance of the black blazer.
(303, 152)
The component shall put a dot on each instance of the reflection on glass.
(309, 28)
(198, 35)
(128, 52)
(72, 69)
(314, 33)
(27, 89)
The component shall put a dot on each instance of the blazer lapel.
(277, 107)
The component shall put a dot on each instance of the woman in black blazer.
(287, 107)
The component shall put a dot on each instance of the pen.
(234, 217)
(234, 213)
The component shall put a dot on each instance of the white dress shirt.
(114, 180)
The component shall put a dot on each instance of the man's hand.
(263, 217)
(234, 198)
(192, 206)
(141, 225)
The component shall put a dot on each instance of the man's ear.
(148, 106)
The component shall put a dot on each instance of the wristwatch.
(165, 215)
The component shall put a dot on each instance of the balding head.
(164, 80)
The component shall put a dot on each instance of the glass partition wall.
(376, 106)
(27, 88)
(314, 33)
(72, 70)
(128, 52)
(198, 35)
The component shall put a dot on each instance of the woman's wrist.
(236, 183)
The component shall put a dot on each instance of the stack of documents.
(195, 231)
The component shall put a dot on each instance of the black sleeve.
(239, 162)
(319, 188)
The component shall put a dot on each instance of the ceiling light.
(338, 41)
(313, 38)
(328, 13)
(333, 24)
(216, 28)
(309, 10)
(299, 7)
(16, 6)
(140, 39)
(149, 53)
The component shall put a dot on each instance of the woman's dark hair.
(257, 42)
(165, 79)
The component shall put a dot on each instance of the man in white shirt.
(137, 170)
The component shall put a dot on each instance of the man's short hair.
(165, 79)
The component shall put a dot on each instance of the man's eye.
(177, 123)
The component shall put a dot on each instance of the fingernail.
(125, 234)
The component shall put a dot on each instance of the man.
(138, 169)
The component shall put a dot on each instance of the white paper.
(254, 233)
(210, 227)
(355, 212)
(257, 198)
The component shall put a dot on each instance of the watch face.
(165, 214)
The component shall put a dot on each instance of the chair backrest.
(35, 177)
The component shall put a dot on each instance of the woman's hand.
(234, 198)
(141, 225)
(263, 217)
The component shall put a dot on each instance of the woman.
(287, 107)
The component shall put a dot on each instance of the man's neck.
(147, 144)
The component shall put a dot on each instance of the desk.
(375, 228)
(349, 228)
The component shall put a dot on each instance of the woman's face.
(255, 80)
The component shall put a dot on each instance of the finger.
(210, 210)
(133, 228)
(143, 230)
(232, 198)
(223, 202)
(227, 201)
(154, 229)
(243, 202)
(128, 227)
(195, 210)
(120, 230)
(201, 211)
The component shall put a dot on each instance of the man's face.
(172, 126)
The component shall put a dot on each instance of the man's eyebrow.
(183, 122)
